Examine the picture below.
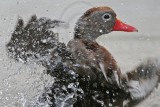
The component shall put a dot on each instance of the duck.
(85, 56)
(95, 60)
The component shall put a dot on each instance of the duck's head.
(98, 21)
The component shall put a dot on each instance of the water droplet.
(100, 31)
(113, 100)
(110, 105)
(1, 92)
(107, 92)
(122, 4)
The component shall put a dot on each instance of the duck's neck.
(86, 31)
(85, 35)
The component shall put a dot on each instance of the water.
(21, 85)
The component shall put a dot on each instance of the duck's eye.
(106, 17)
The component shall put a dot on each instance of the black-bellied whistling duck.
(86, 57)
(92, 58)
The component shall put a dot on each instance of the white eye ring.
(106, 16)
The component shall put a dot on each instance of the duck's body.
(93, 60)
